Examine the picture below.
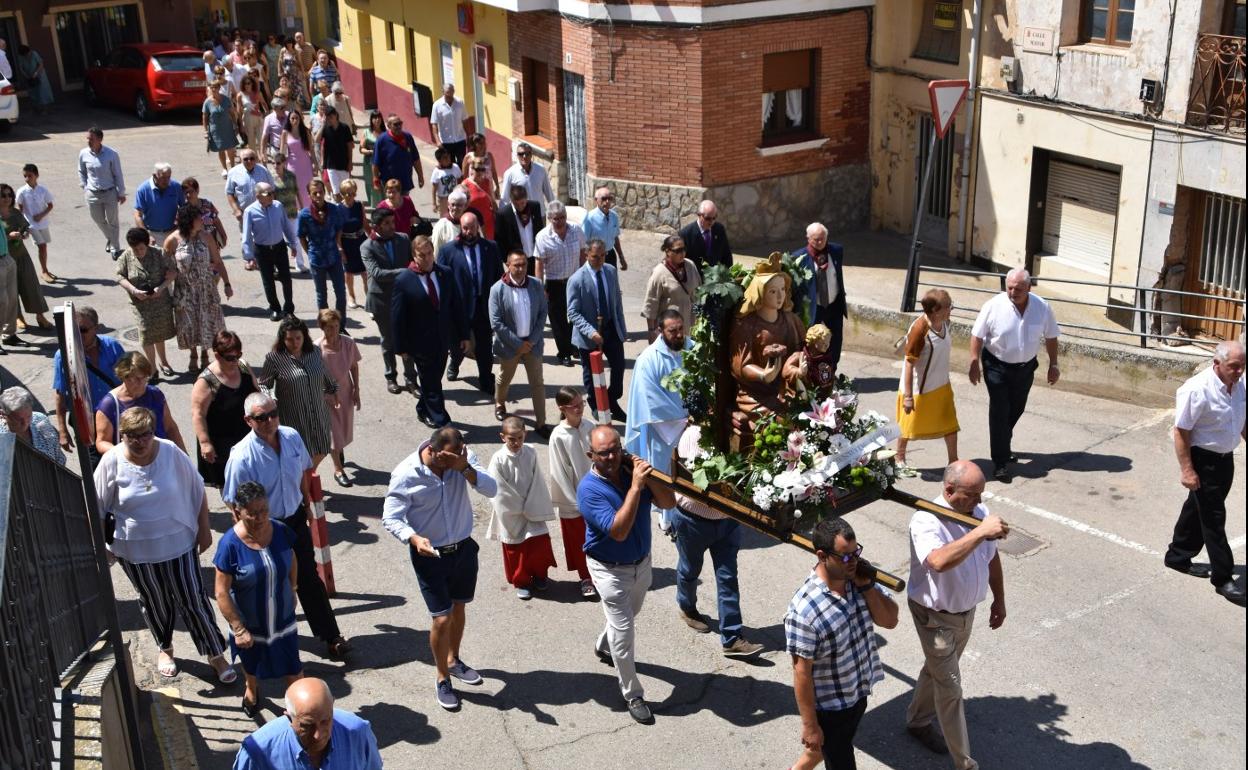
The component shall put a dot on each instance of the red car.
(148, 78)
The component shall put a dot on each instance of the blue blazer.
(583, 310)
(507, 338)
(419, 329)
(452, 256)
(808, 292)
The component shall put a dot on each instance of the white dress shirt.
(1012, 337)
(957, 589)
(449, 118)
(526, 236)
(1213, 415)
(522, 309)
(535, 181)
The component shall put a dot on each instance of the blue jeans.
(335, 273)
(694, 537)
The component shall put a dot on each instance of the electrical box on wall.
(1150, 92)
(483, 62)
(1007, 68)
(513, 89)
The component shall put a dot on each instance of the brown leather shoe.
(694, 621)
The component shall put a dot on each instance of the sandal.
(227, 675)
(251, 708)
(45, 323)
(341, 478)
(49, 277)
(339, 647)
(167, 370)
(167, 669)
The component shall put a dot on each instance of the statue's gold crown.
(771, 265)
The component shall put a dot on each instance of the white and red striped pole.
(320, 534)
(599, 376)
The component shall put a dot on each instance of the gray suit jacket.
(507, 338)
(382, 270)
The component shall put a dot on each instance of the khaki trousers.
(8, 294)
(533, 370)
(621, 590)
(938, 693)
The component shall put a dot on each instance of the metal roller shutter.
(1081, 212)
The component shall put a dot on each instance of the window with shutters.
(1108, 21)
(940, 36)
(788, 103)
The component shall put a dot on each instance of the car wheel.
(141, 109)
(5, 126)
(88, 92)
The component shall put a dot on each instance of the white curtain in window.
(793, 105)
(769, 100)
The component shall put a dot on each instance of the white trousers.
(622, 591)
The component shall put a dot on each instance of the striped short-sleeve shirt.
(835, 633)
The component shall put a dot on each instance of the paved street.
(1107, 660)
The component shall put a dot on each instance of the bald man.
(312, 734)
(615, 497)
(952, 567)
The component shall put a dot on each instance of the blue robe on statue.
(656, 415)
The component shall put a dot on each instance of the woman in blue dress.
(37, 86)
(255, 589)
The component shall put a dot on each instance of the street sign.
(947, 97)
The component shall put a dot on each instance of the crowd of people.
(483, 277)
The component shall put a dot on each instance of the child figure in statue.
(809, 373)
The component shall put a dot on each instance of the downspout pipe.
(972, 108)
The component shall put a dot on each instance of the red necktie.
(431, 289)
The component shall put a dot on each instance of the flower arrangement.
(807, 459)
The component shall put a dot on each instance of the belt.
(1213, 452)
(446, 550)
(942, 612)
(989, 357)
(613, 564)
(355, 235)
(97, 192)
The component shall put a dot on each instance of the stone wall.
(760, 212)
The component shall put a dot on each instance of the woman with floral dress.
(197, 314)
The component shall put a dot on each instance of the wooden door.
(1215, 266)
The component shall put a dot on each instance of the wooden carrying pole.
(752, 519)
(913, 501)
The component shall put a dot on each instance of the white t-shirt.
(156, 507)
(449, 118)
(955, 590)
(445, 179)
(1011, 337)
(32, 201)
(1214, 416)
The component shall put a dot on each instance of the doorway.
(576, 150)
(934, 220)
(86, 36)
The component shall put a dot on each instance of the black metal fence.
(52, 603)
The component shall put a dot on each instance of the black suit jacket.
(507, 228)
(475, 298)
(695, 247)
(418, 328)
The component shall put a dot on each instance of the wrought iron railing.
(52, 606)
(1216, 101)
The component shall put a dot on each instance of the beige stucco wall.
(1010, 131)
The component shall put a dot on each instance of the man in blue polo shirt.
(156, 203)
(603, 223)
(615, 499)
(102, 353)
(312, 734)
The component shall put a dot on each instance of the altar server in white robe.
(521, 509)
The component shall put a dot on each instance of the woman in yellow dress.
(925, 408)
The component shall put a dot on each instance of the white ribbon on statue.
(833, 464)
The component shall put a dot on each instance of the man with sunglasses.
(275, 457)
(529, 175)
(828, 632)
(615, 498)
(707, 239)
(603, 223)
(395, 156)
(951, 569)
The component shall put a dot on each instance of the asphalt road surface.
(1106, 660)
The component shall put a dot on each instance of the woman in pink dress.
(342, 364)
(297, 140)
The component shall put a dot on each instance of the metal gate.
(934, 226)
(1216, 264)
(1081, 214)
(576, 151)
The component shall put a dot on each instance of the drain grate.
(1021, 543)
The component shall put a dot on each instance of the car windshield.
(179, 62)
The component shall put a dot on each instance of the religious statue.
(809, 373)
(765, 334)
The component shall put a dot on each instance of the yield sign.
(947, 97)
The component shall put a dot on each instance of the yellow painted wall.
(419, 27)
(355, 26)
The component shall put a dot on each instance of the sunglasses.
(604, 454)
(264, 416)
(524, 155)
(846, 558)
(145, 435)
(231, 357)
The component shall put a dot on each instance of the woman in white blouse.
(157, 500)
(925, 408)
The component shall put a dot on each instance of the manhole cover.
(1021, 543)
(131, 334)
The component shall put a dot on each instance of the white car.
(8, 105)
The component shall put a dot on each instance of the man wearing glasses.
(395, 156)
(102, 353)
(275, 457)
(951, 569)
(707, 239)
(529, 175)
(242, 181)
(615, 498)
(828, 632)
(603, 223)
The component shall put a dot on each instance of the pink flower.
(822, 414)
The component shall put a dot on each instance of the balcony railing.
(1217, 99)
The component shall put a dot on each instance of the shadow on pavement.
(393, 723)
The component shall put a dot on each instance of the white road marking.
(1049, 624)
(1078, 526)
(1158, 417)
(1239, 541)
